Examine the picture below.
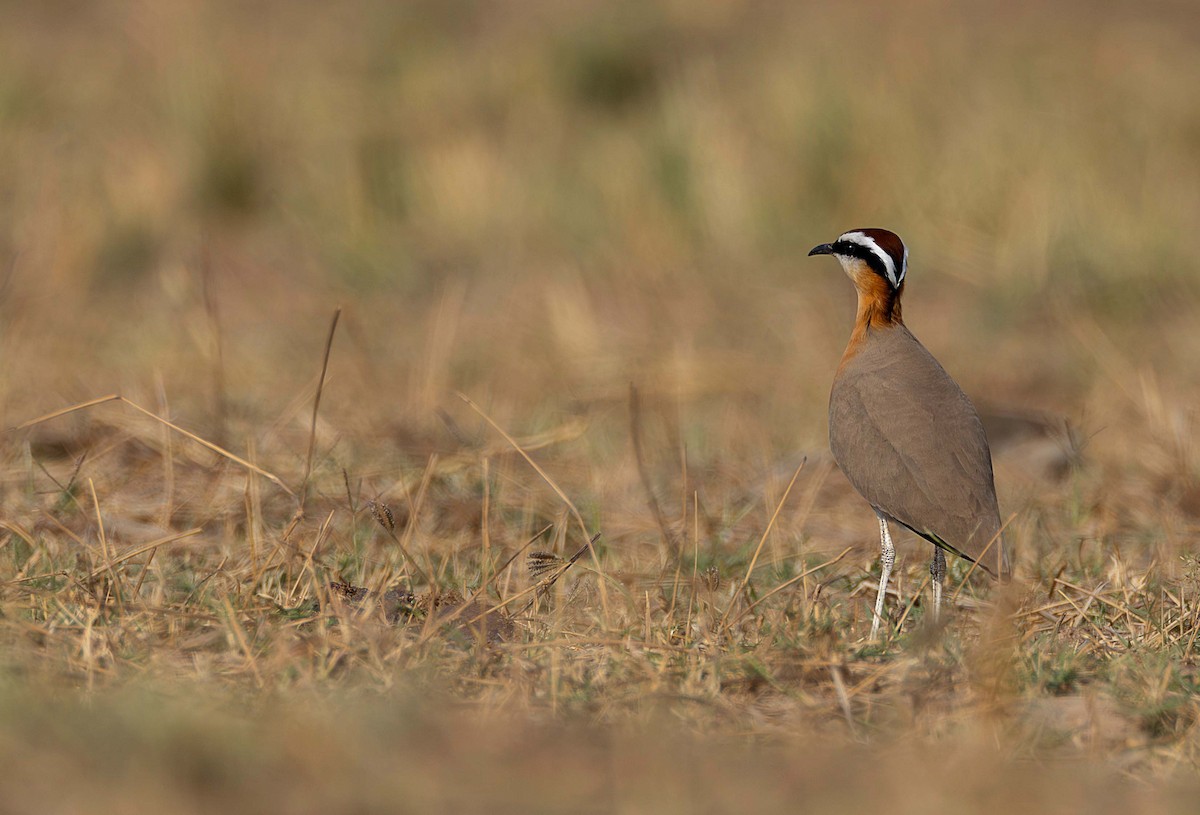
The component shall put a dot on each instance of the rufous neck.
(878, 308)
(878, 304)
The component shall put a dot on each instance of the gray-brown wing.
(911, 442)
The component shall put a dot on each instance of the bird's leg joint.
(937, 566)
(887, 558)
(937, 571)
(887, 549)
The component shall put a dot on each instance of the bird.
(902, 430)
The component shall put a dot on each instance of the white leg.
(887, 559)
(937, 571)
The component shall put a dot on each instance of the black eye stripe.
(857, 250)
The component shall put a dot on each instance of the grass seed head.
(383, 514)
(541, 563)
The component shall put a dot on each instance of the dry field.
(520, 215)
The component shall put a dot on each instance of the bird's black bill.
(823, 249)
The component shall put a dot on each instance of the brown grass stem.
(761, 541)
(148, 547)
(221, 451)
(103, 538)
(312, 432)
(669, 538)
(982, 555)
(790, 581)
(558, 491)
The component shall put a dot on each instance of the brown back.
(911, 442)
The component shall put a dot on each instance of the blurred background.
(543, 205)
(538, 205)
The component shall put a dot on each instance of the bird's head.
(867, 253)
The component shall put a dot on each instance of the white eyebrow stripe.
(889, 265)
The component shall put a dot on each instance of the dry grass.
(536, 210)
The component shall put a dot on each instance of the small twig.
(514, 556)
(454, 615)
(582, 640)
(1082, 612)
(309, 556)
(453, 429)
(34, 577)
(383, 515)
(152, 545)
(235, 628)
(543, 586)
(21, 532)
(66, 491)
(982, 555)
(312, 434)
(892, 629)
(871, 677)
(212, 314)
(557, 490)
(112, 397)
(790, 581)
(762, 541)
(350, 503)
(670, 539)
(839, 688)
(49, 516)
(203, 580)
(501, 605)
(104, 544)
(417, 504)
(116, 397)
(485, 534)
(137, 587)
(695, 560)
(1095, 595)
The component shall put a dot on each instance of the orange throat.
(878, 307)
